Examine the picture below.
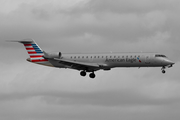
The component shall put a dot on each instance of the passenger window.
(114, 56)
(94, 56)
(102, 56)
(75, 57)
(98, 56)
(82, 56)
(78, 56)
(110, 56)
(86, 56)
(126, 56)
(122, 56)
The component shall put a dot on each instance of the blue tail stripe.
(39, 52)
(33, 44)
(36, 48)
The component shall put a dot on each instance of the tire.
(83, 73)
(163, 71)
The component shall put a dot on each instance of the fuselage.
(111, 60)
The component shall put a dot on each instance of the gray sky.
(34, 92)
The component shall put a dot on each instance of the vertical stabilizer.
(35, 52)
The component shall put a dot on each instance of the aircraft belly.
(56, 63)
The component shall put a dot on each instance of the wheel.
(83, 73)
(163, 71)
(92, 75)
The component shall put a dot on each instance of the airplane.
(92, 62)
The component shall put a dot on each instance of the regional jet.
(91, 62)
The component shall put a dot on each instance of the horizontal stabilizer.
(23, 41)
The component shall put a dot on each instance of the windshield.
(158, 55)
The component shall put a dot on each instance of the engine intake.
(52, 55)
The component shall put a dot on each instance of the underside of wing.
(89, 67)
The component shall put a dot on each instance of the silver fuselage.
(111, 60)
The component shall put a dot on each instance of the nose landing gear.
(163, 69)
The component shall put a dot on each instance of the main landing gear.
(91, 75)
(83, 73)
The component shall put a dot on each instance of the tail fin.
(35, 52)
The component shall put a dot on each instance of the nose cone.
(169, 62)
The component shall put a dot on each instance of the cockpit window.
(158, 55)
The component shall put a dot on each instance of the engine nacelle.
(52, 55)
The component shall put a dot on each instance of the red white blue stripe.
(35, 52)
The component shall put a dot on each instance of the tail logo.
(35, 52)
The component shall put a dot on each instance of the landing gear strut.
(83, 73)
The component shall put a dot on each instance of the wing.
(89, 67)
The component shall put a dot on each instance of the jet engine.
(52, 55)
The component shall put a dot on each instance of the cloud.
(29, 91)
(128, 6)
(57, 23)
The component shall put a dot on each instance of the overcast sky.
(33, 92)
